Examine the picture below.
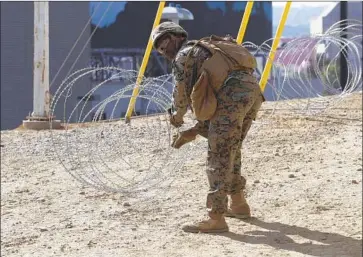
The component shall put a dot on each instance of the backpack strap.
(195, 43)
(207, 42)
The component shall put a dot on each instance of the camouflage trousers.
(238, 104)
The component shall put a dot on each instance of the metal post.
(40, 118)
(145, 60)
(280, 28)
(41, 60)
(244, 22)
(343, 52)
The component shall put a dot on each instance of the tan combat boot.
(216, 224)
(239, 207)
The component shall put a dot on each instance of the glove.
(184, 137)
(174, 120)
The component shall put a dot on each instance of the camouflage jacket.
(186, 77)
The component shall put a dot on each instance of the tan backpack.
(227, 56)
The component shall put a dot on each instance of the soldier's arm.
(182, 78)
(180, 100)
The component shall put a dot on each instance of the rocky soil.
(304, 185)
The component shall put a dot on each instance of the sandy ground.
(304, 185)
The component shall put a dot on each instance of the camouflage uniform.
(239, 100)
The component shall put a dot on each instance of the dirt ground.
(304, 185)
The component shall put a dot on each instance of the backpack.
(226, 56)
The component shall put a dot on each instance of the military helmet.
(166, 27)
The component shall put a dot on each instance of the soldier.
(214, 77)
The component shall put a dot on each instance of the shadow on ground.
(331, 244)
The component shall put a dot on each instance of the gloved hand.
(174, 119)
(184, 137)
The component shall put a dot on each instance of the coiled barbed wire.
(137, 157)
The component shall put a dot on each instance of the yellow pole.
(145, 60)
(244, 22)
(275, 43)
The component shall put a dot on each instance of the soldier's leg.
(239, 207)
(239, 182)
(251, 116)
(224, 135)
(218, 163)
(234, 101)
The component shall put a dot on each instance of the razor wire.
(297, 65)
(137, 157)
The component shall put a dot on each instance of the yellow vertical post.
(275, 43)
(244, 22)
(145, 60)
